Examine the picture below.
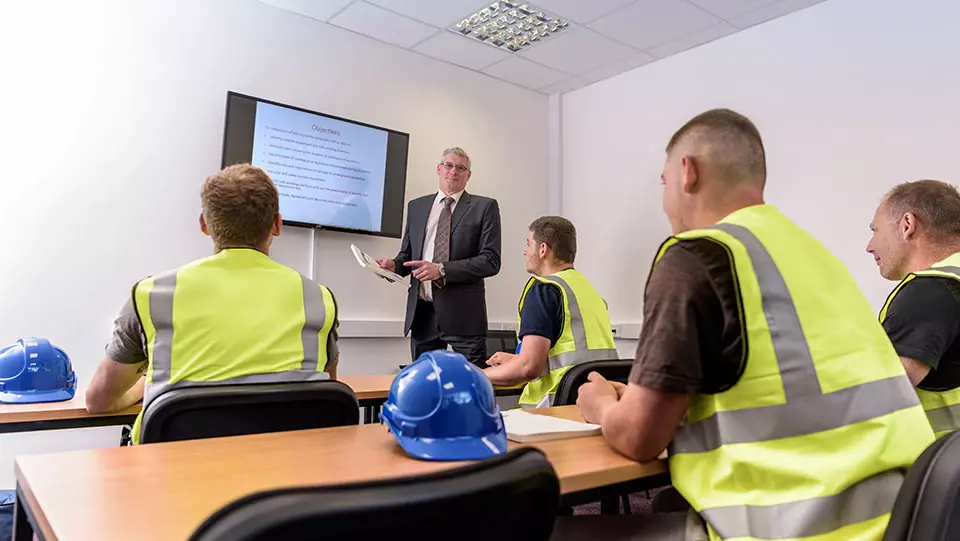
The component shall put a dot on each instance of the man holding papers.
(451, 244)
(787, 411)
(563, 320)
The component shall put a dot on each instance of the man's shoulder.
(481, 199)
(923, 292)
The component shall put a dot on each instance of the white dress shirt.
(430, 236)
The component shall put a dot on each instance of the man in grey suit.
(451, 243)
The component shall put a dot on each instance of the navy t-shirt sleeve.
(922, 321)
(542, 313)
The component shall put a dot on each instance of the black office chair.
(613, 370)
(505, 341)
(190, 413)
(512, 496)
(928, 504)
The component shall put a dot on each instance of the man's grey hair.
(459, 152)
(935, 204)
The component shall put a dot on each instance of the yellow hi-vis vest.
(587, 334)
(235, 317)
(942, 405)
(813, 439)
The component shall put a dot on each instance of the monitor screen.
(331, 173)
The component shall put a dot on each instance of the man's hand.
(425, 270)
(595, 397)
(499, 358)
(387, 264)
(620, 387)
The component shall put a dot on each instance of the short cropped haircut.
(240, 204)
(557, 233)
(459, 152)
(731, 143)
(936, 205)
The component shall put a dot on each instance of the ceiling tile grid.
(604, 37)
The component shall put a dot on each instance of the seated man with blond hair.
(234, 317)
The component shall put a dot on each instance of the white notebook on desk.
(526, 427)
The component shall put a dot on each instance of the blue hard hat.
(442, 407)
(33, 370)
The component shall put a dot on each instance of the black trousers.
(425, 335)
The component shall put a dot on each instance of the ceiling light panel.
(510, 26)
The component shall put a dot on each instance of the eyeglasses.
(448, 166)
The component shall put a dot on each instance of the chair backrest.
(928, 504)
(512, 496)
(613, 370)
(501, 341)
(190, 413)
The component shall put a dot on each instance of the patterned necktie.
(441, 245)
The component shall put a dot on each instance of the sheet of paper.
(526, 427)
(370, 264)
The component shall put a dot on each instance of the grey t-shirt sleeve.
(126, 345)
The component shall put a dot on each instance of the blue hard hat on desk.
(33, 370)
(442, 407)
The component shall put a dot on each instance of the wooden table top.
(365, 387)
(164, 491)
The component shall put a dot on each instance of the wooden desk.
(58, 415)
(164, 491)
(371, 392)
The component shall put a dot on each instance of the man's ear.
(689, 174)
(908, 225)
(203, 225)
(277, 225)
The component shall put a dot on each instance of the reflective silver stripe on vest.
(581, 353)
(861, 502)
(315, 315)
(161, 314)
(945, 418)
(810, 410)
(948, 269)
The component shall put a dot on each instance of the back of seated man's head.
(726, 145)
(240, 207)
(559, 234)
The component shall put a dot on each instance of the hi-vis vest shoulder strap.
(942, 405)
(790, 451)
(587, 334)
(236, 317)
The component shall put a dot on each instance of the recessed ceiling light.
(510, 25)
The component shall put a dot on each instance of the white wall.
(113, 115)
(851, 97)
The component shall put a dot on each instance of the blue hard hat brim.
(35, 397)
(451, 449)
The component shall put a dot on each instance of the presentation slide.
(327, 171)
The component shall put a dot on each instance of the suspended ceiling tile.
(523, 72)
(440, 13)
(689, 41)
(730, 8)
(315, 9)
(647, 23)
(577, 50)
(770, 12)
(459, 50)
(580, 11)
(572, 83)
(617, 68)
(382, 24)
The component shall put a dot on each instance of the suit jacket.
(461, 304)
